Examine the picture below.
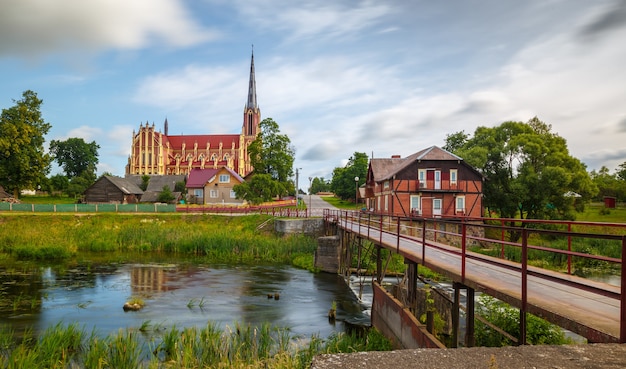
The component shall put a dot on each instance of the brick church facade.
(157, 153)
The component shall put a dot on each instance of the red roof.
(199, 177)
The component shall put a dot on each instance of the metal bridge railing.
(427, 231)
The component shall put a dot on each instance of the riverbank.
(218, 238)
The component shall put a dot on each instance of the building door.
(437, 180)
(436, 207)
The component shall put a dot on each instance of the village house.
(430, 183)
(112, 190)
(213, 186)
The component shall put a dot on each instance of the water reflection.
(182, 294)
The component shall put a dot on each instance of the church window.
(250, 120)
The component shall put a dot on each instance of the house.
(112, 189)
(213, 186)
(430, 183)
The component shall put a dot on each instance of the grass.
(342, 204)
(217, 238)
(596, 212)
(239, 346)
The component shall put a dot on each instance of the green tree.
(59, 183)
(319, 185)
(75, 155)
(260, 188)
(166, 195)
(621, 171)
(529, 170)
(343, 183)
(272, 157)
(145, 179)
(271, 153)
(23, 161)
(80, 183)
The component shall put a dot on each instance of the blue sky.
(380, 77)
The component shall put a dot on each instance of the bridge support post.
(411, 273)
(470, 340)
(456, 307)
(379, 264)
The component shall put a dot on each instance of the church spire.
(251, 104)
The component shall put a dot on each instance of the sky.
(339, 77)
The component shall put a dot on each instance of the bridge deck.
(559, 298)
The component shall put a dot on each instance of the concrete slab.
(600, 356)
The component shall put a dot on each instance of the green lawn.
(596, 212)
(341, 204)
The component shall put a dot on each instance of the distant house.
(111, 189)
(156, 184)
(432, 182)
(213, 186)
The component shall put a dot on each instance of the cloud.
(315, 20)
(87, 133)
(30, 28)
(609, 18)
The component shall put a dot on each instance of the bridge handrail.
(344, 216)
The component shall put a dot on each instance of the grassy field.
(218, 238)
(342, 204)
(596, 212)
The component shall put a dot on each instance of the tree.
(75, 155)
(271, 153)
(80, 183)
(166, 195)
(343, 183)
(272, 157)
(319, 185)
(145, 179)
(23, 161)
(59, 183)
(529, 170)
(260, 188)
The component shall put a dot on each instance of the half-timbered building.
(430, 183)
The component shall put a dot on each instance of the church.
(158, 153)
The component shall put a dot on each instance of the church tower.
(251, 111)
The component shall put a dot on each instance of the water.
(177, 294)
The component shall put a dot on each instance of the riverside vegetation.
(243, 240)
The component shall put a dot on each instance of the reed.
(236, 346)
(219, 238)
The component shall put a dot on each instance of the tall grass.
(219, 238)
(239, 346)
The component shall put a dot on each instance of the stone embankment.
(591, 356)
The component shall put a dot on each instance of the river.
(179, 293)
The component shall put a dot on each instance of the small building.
(430, 183)
(213, 186)
(609, 202)
(112, 189)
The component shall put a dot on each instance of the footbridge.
(504, 258)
